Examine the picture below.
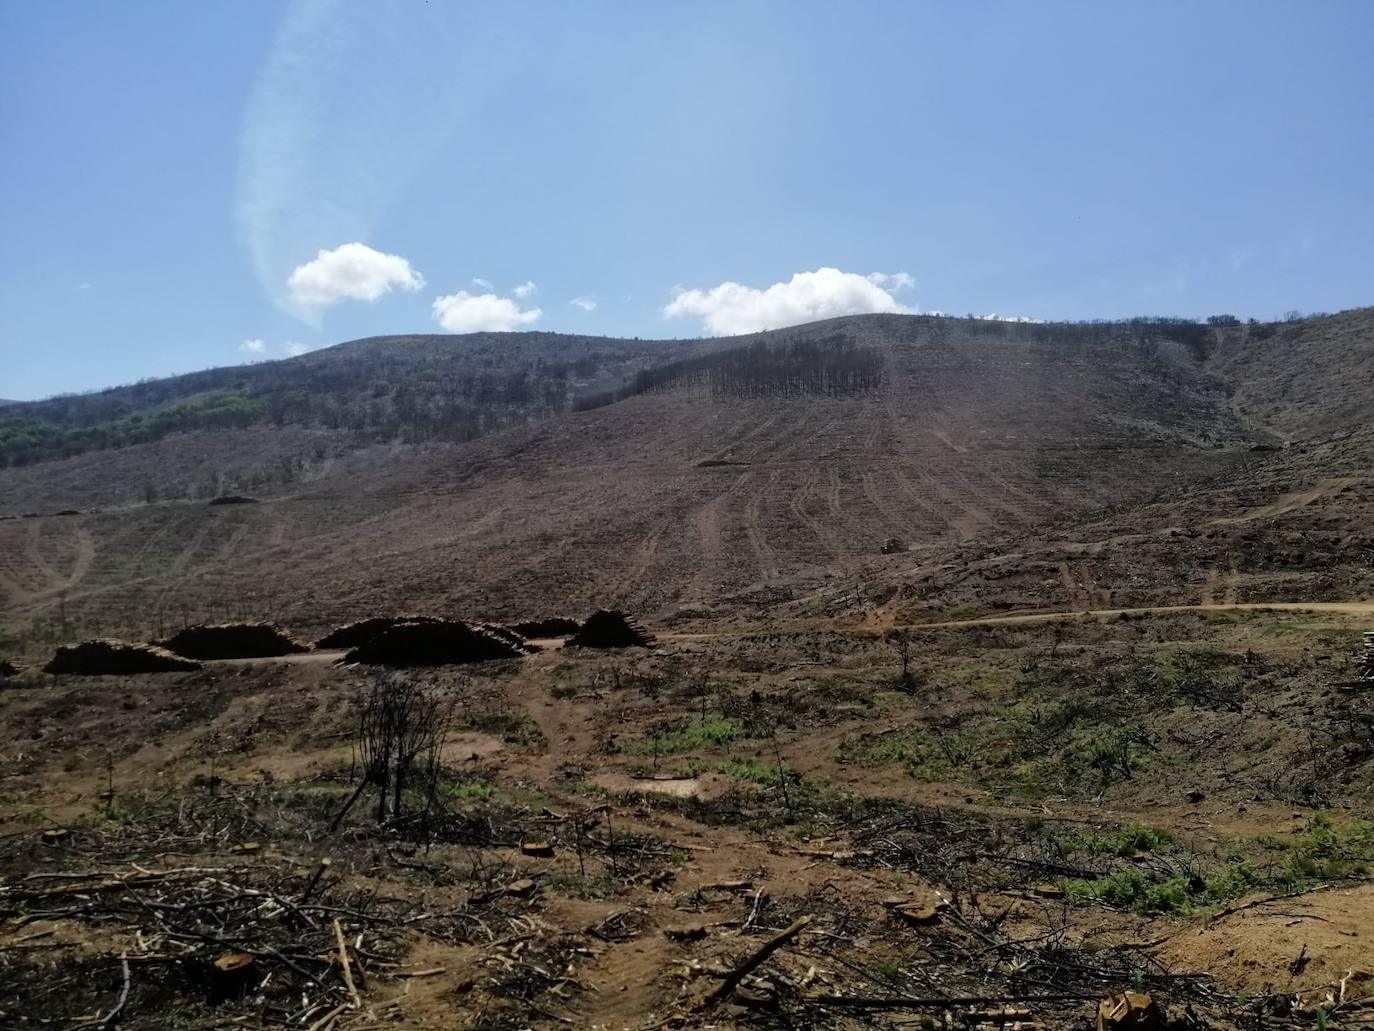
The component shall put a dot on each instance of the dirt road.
(1348, 607)
(1355, 607)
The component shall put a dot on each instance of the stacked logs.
(436, 643)
(233, 641)
(120, 658)
(610, 628)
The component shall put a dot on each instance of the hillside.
(1294, 525)
(682, 495)
(411, 388)
(1300, 379)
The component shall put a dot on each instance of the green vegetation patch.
(1119, 841)
(1323, 851)
(1144, 891)
(925, 753)
(514, 728)
(693, 734)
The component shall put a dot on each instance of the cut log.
(1130, 1011)
(231, 975)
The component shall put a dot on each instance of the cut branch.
(743, 969)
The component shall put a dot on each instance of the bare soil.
(698, 798)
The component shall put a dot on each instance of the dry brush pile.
(177, 908)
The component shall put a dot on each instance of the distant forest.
(433, 387)
(393, 388)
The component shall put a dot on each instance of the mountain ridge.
(445, 387)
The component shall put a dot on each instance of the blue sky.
(173, 171)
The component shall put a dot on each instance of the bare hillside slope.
(684, 495)
(1301, 379)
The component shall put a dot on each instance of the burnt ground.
(1035, 815)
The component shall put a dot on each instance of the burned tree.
(399, 740)
(900, 640)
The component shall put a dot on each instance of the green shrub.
(1122, 841)
(1136, 890)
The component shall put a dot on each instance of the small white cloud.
(585, 303)
(295, 349)
(485, 284)
(481, 313)
(253, 346)
(893, 281)
(994, 317)
(352, 271)
(524, 289)
(83, 286)
(732, 308)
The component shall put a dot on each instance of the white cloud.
(994, 317)
(485, 284)
(585, 303)
(481, 313)
(352, 271)
(295, 349)
(732, 308)
(893, 281)
(524, 289)
(341, 116)
(253, 346)
(83, 286)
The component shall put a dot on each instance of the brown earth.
(714, 855)
(1095, 728)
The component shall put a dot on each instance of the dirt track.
(1348, 607)
(1047, 617)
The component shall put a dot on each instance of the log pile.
(118, 658)
(549, 626)
(610, 628)
(437, 643)
(350, 635)
(510, 635)
(233, 641)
